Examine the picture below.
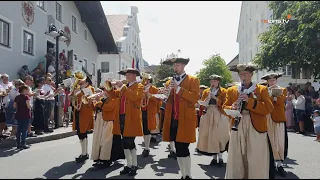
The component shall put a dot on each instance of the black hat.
(263, 83)
(271, 75)
(129, 70)
(203, 87)
(244, 67)
(88, 80)
(215, 77)
(171, 61)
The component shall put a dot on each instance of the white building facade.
(23, 40)
(251, 24)
(125, 31)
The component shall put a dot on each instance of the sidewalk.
(59, 133)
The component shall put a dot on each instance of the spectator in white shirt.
(316, 123)
(52, 70)
(29, 82)
(5, 85)
(49, 103)
(300, 109)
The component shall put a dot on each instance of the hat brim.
(124, 72)
(249, 68)
(267, 77)
(176, 60)
(203, 87)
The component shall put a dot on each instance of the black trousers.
(182, 149)
(77, 121)
(127, 142)
(145, 123)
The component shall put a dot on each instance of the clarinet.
(240, 108)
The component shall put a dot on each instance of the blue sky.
(199, 29)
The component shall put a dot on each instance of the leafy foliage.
(214, 65)
(296, 42)
(163, 72)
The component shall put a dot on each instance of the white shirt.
(317, 121)
(47, 88)
(31, 97)
(299, 103)
(182, 77)
(14, 92)
(51, 70)
(6, 99)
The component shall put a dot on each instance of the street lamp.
(59, 36)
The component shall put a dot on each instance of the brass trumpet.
(85, 99)
(109, 85)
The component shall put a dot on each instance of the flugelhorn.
(79, 76)
(109, 85)
(240, 109)
(85, 99)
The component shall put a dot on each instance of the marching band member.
(180, 116)
(129, 122)
(249, 150)
(214, 125)
(277, 129)
(83, 118)
(106, 147)
(149, 111)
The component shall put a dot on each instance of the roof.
(116, 24)
(93, 16)
(234, 61)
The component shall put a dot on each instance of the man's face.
(214, 83)
(130, 77)
(297, 94)
(29, 82)
(48, 81)
(245, 76)
(272, 81)
(178, 68)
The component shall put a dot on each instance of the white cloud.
(199, 29)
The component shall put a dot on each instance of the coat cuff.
(252, 103)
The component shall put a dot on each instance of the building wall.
(10, 11)
(250, 26)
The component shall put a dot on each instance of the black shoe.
(213, 162)
(187, 177)
(39, 133)
(182, 177)
(133, 171)
(82, 158)
(18, 147)
(145, 153)
(97, 163)
(24, 147)
(48, 131)
(281, 171)
(125, 170)
(197, 150)
(220, 164)
(31, 135)
(153, 140)
(172, 155)
(106, 163)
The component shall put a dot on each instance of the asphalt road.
(55, 159)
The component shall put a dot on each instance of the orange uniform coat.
(133, 121)
(86, 114)
(189, 95)
(152, 109)
(278, 114)
(109, 109)
(259, 107)
(221, 98)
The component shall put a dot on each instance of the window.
(58, 12)
(119, 46)
(27, 42)
(85, 64)
(4, 33)
(86, 35)
(93, 69)
(105, 67)
(74, 24)
(40, 4)
(287, 70)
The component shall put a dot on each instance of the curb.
(9, 143)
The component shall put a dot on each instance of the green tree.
(214, 65)
(296, 42)
(163, 72)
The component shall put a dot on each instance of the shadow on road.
(167, 165)
(95, 173)
(214, 172)
(290, 161)
(289, 175)
(9, 152)
(143, 161)
(66, 168)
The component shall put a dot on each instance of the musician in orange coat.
(277, 129)
(83, 119)
(200, 108)
(249, 150)
(180, 115)
(129, 121)
(149, 111)
(214, 125)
